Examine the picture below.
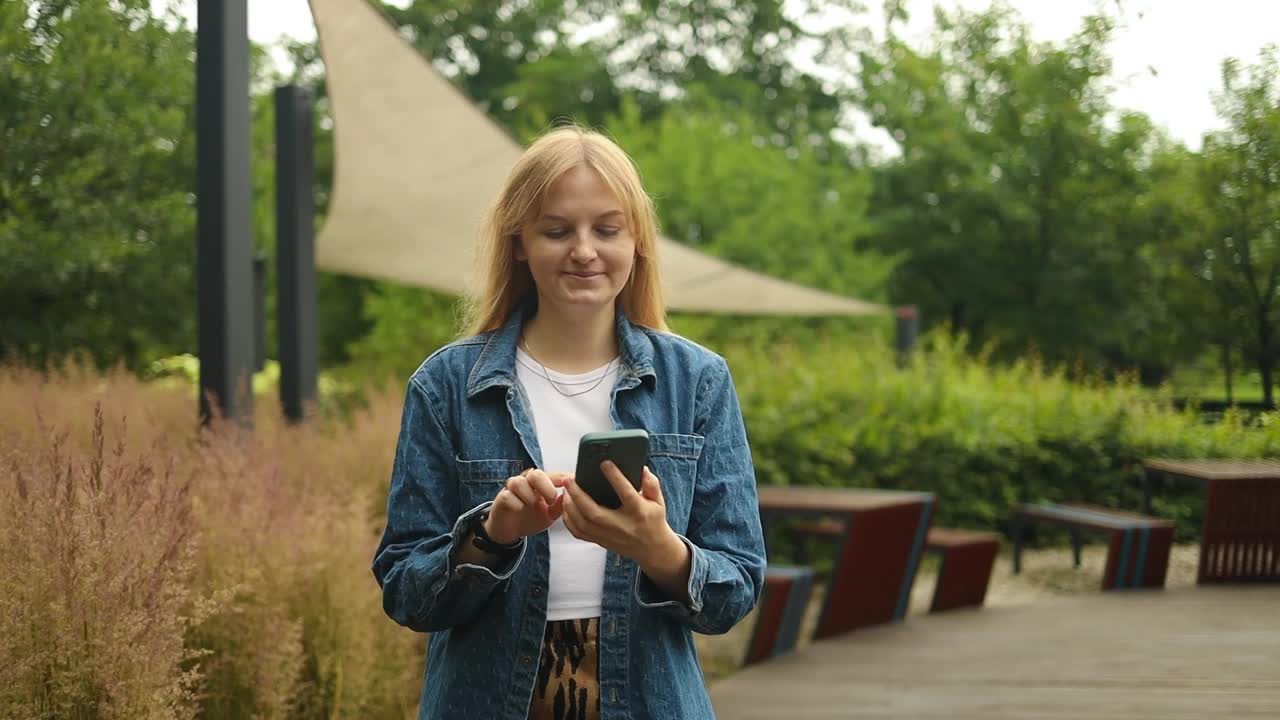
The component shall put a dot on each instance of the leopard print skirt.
(568, 685)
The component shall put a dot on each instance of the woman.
(540, 602)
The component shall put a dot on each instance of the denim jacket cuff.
(650, 596)
(461, 529)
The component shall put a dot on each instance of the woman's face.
(579, 248)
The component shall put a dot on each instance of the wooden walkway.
(1205, 652)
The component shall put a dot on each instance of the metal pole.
(259, 313)
(295, 250)
(224, 247)
(908, 330)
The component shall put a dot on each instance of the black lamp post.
(224, 247)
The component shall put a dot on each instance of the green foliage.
(528, 63)
(1203, 379)
(337, 394)
(1011, 199)
(97, 215)
(1240, 171)
(96, 176)
(1023, 210)
(408, 324)
(981, 437)
(729, 185)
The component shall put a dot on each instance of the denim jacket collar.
(496, 366)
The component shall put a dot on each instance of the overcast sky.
(1183, 40)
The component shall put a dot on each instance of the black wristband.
(481, 539)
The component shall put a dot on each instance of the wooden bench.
(1240, 532)
(967, 559)
(964, 570)
(780, 612)
(1138, 545)
(874, 557)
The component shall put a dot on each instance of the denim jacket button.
(526, 660)
(536, 591)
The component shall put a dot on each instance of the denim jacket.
(466, 428)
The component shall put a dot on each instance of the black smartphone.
(628, 449)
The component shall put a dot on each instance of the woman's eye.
(556, 233)
(607, 231)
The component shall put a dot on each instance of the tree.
(528, 63)
(1241, 185)
(97, 175)
(96, 178)
(729, 185)
(1011, 195)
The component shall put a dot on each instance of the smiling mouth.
(584, 276)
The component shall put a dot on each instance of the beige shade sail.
(416, 165)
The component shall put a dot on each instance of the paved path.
(1204, 652)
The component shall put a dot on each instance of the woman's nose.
(584, 249)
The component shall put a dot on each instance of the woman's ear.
(518, 251)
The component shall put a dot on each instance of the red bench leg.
(1157, 568)
(780, 612)
(1137, 558)
(963, 576)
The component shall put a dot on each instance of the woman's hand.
(638, 529)
(527, 505)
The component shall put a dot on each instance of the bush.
(151, 569)
(982, 437)
(96, 564)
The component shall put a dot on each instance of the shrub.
(95, 566)
(244, 556)
(980, 436)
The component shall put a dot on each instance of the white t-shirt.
(577, 567)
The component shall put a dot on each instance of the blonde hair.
(504, 281)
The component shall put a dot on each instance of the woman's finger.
(554, 509)
(543, 486)
(651, 488)
(587, 508)
(625, 490)
(519, 486)
(572, 517)
(507, 501)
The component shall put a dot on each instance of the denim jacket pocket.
(673, 457)
(687, 447)
(480, 480)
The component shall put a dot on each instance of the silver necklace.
(608, 370)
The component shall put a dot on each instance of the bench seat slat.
(1090, 517)
(950, 537)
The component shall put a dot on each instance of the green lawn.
(1208, 383)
